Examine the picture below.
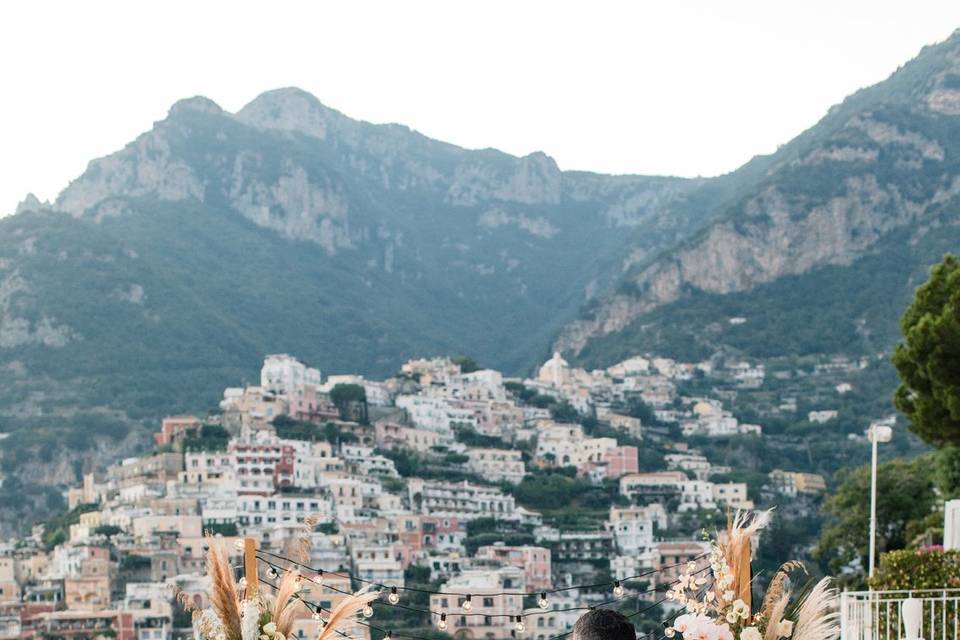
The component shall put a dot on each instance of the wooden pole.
(250, 567)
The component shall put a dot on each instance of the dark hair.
(604, 624)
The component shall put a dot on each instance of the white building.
(377, 563)
(555, 371)
(693, 462)
(820, 417)
(282, 373)
(463, 499)
(563, 445)
(485, 384)
(632, 529)
(281, 508)
(497, 464)
(435, 414)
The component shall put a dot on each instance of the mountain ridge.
(168, 269)
(875, 162)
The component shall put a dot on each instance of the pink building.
(535, 562)
(174, 428)
(305, 403)
(441, 532)
(621, 461)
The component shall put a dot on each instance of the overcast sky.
(683, 88)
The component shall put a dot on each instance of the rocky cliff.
(885, 159)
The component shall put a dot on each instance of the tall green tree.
(928, 360)
(947, 472)
(467, 364)
(905, 495)
(351, 401)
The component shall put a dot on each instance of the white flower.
(785, 630)
(732, 617)
(741, 609)
(728, 595)
(669, 632)
(270, 628)
(751, 633)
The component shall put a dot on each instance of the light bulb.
(389, 636)
(443, 622)
(467, 603)
(394, 597)
(543, 602)
(669, 632)
(617, 589)
(239, 544)
(317, 616)
(243, 583)
(273, 572)
(520, 626)
(367, 611)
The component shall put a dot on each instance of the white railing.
(925, 614)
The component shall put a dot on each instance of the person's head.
(604, 624)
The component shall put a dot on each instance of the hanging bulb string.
(347, 574)
(538, 612)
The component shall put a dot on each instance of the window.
(488, 601)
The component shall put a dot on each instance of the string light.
(242, 583)
(617, 589)
(273, 573)
(394, 597)
(388, 635)
(468, 603)
(543, 603)
(443, 622)
(239, 544)
(520, 626)
(317, 615)
(367, 611)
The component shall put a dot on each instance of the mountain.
(817, 253)
(168, 269)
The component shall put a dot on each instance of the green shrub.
(926, 568)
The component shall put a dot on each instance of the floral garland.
(722, 610)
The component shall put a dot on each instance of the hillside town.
(445, 475)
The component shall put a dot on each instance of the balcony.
(881, 615)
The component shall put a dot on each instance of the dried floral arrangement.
(720, 607)
(238, 612)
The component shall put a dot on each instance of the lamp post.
(877, 433)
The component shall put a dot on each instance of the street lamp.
(877, 433)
